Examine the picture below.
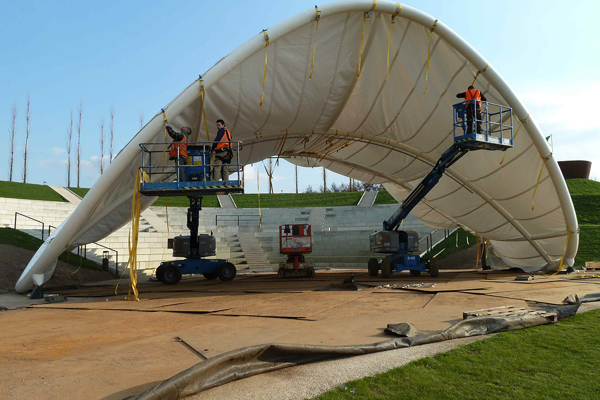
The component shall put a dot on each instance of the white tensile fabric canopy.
(366, 127)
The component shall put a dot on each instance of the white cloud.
(58, 151)
(564, 108)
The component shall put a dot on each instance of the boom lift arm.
(450, 156)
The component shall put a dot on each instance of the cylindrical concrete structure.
(575, 169)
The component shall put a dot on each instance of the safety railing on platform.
(80, 252)
(160, 152)
(484, 118)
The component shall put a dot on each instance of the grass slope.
(30, 191)
(289, 200)
(586, 199)
(556, 361)
(449, 244)
(20, 239)
(384, 197)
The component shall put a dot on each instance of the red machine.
(295, 241)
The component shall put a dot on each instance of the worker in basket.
(473, 101)
(222, 152)
(178, 149)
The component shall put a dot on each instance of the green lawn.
(383, 197)
(17, 238)
(449, 244)
(16, 190)
(207, 201)
(81, 192)
(289, 200)
(558, 361)
(586, 199)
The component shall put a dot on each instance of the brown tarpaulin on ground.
(254, 360)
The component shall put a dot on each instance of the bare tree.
(101, 145)
(324, 180)
(112, 132)
(26, 142)
(296, 179)
(69, 142)
(15, 112)
(80, 111)
(141, 120)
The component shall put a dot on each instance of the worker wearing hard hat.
(178, 149)
(222, 152)
(473, 101)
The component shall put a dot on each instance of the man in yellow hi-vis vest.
(222, 152)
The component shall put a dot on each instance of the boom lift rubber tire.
(171, 275)
(160, 273)
(386, 268)
(415, 272)
(373, 267)
(434, 269)
(210, 276)
(226, 271)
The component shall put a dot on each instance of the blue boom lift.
(489, 129)
(192, 180)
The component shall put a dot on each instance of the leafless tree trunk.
(15, 112)
(324, 180)
(80, 111)
(26, 142)
(101, 145)
(112, 132)
(141, 120)
(69, 142)
(296, 179)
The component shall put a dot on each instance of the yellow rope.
(398, 8)
(259, 212)
(478, 252)
(203, 115)
(522, 121)
(479, 72)
(429, 54)
(317, 18)
(166, 122)
(562, 259)
(265, 73)
(544, 159)
(136, 207)
(362, 36)
(80, 260)
(281, 147)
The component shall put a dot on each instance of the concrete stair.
(226, 201)
(367, 199)
(253, 252)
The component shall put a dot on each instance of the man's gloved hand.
(168, 126)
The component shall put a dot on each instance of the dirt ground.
(109, 348)
(13, 261)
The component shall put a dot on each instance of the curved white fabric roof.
(367, 127)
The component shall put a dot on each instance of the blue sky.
(136, 56)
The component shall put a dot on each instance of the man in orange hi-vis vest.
(222, 152)
(178, 149)
(473, 101)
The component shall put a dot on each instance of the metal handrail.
(85, 246)
(26, 216)
(236, 218)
